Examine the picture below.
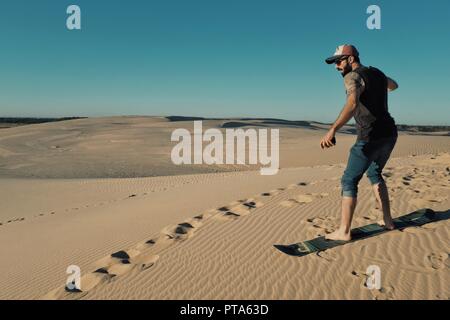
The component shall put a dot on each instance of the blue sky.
(218, 58)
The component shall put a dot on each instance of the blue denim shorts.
(366, 156)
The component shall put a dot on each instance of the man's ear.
(351, 59)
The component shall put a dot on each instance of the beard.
(344, 71)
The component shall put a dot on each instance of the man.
(367, 89)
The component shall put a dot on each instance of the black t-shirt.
(372, 117)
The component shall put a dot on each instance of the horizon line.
(193, 118)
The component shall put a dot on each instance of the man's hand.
(329, 139)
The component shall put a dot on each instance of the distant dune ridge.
(6, 122)
(123, 147)
(102, 194)
(12, 122)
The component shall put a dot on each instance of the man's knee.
(375, 178)
(349, 184)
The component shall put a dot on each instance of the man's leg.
(348, 208)
(357, 164)
(374, 173)
(381, 194)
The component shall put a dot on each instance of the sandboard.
(416, 218)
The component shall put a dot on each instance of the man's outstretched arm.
(346, 114)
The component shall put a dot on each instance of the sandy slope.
(210, 235)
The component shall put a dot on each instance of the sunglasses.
(338, 62)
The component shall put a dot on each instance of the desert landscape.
(103, 194)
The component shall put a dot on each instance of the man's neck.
(356, 65)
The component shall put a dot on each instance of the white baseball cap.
(344, 50)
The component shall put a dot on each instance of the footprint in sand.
(320, 226)
(157, 244)
(361, 276)
(302, 199)
(120, 268)
(90, 281)
(296, 185)
(121, 257)
(225, 214)
(273, 192)
(408, 178)
(289, 203)
(146, 261)
(138, 258)
(385, 293)
(145, 254)
(238, 209)
(13, 220)
(439, 260)
(328, 255)
(373, 215)
(425, 201)
(87, 283)
(105, 275)
(116, 265)
(182, 231)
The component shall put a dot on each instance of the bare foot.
(339, 235)
(387, 223)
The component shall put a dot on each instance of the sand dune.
(202, 235)
(130, 147)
